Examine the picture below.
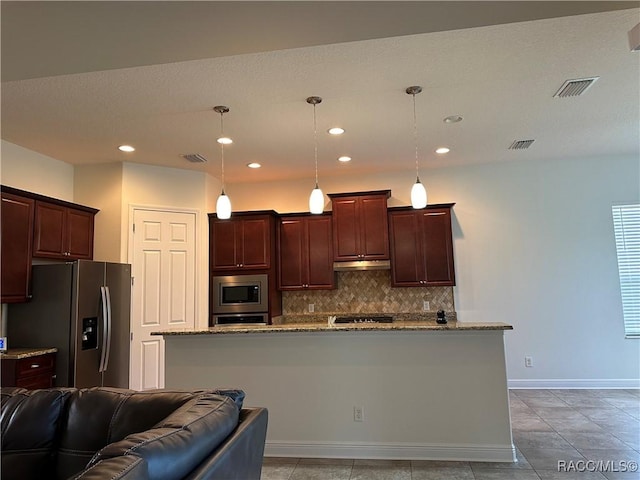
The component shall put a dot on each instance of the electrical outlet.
(358, 414)
(425, 306)
(312, 308)
(528, 361)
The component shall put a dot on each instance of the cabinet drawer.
(35, 366)
(44, 380)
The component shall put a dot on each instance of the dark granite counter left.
(20, 353)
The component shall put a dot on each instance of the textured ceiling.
(93, 75)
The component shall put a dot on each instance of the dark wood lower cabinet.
(30, 373)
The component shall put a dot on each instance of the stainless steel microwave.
(240, 294)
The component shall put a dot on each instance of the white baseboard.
(617, 383)
(395, 451)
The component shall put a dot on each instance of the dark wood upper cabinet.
(37, 226)
(360, 228)
(17, 240)
(80, 234)
(244, 242)
(305, 253)
(63, 231)
(421, 246)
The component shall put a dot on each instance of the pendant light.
(316, 199)
(418, 192)
(223, 205)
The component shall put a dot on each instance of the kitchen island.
(405, 390)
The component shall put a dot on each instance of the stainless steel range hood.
(361, 265)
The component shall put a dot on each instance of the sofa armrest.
(182, 440)
(239, 457)
(125, 467)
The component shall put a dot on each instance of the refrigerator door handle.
(109, 325)
(105, 328)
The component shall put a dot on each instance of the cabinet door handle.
(35, 365)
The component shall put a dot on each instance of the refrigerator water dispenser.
(89, 333)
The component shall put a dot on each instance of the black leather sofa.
(107, 433)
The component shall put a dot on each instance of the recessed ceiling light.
(224, 140)
(442, 150)
(253, 165)
(336, 131)
(126, 148)
(344, 159)
(452, 119)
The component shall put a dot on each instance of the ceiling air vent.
(194, 158)
(520, 144)
(573, 88)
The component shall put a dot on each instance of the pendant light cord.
(222, 150)
(415, 134)
(315, 142)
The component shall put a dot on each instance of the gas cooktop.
(365, 319)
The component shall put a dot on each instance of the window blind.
(626, 224)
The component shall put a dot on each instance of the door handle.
(105, 327)
(109, 326)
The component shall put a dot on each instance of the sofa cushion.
(126, 467)
(99, 416)
(30, 423)
(176, 445)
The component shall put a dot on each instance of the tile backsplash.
(367, 292)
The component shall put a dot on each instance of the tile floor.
(548, 426)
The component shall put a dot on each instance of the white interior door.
(163, 296)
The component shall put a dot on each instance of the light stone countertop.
(20, 353)
(343, 327)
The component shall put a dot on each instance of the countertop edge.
(20, 353)
(313, 328)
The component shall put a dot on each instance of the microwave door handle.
(105, 328)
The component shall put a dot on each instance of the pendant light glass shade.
(418, 192)
(316, 199)
(418, 195)
(223, 206)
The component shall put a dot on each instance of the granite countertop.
(324, 327)
(20, 353)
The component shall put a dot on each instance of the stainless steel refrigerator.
(82, 308)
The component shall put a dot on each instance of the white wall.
(150, 186)
(31, 171)
(533, 247)
(100, 186)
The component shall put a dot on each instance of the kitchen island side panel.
(424, 394)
